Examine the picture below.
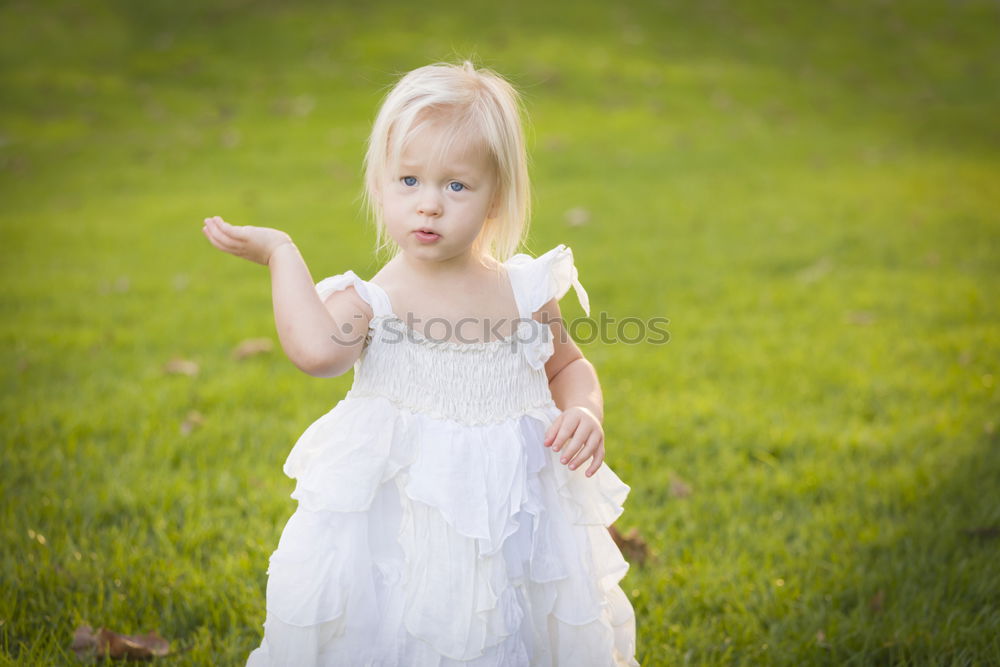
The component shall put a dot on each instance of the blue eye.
(410, 180)
(453, 187)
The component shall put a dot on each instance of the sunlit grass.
(807, 193)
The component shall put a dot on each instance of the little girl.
(452, 508)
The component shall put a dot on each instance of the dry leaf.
(553, 143)
(230, 138)
(84, 641)
(679, 488)
(193, 420)
(984, 532)
(107, 644)
(577, 216)
(632, 546)
(877, 601)
(120, 284)
(179, 366)
(300, 106)
(861, 317)
(252, 346)
(721, 99)
(815, 271)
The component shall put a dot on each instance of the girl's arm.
(577, 392)
(576, 385)
(321, 339)
(307, 328)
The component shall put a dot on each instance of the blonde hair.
(477, 104)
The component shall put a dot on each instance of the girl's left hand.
(246, 241)
(578, 433)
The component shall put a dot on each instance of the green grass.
(807, 191)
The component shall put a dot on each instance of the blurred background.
(808, 192)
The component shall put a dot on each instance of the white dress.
(433, 527)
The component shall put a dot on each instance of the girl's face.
(435, 211)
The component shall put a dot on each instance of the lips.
(426, 235)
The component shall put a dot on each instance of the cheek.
(483, 206)
(391, 206)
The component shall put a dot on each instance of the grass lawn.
(809, 192)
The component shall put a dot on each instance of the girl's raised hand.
(246, 241)
(578, 433)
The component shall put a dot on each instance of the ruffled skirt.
(422, 542)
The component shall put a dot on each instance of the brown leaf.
(193, 420)
(119, 284)
(577, 216)
(301, 105)
(679, 488)
(877, 601)
(860, 317)
(179, 366)
(632, 546)
(983, 532)
(252, 346)
(84, 641)
(815, 271)
(554, 143)
(230, 138)
(108, 644)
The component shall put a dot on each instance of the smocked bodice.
(474, 383)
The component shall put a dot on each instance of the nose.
(429, 204)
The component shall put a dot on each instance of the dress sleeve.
(328, 286)
(540, 279)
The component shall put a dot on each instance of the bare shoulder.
(351, 315)
(348, 300)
